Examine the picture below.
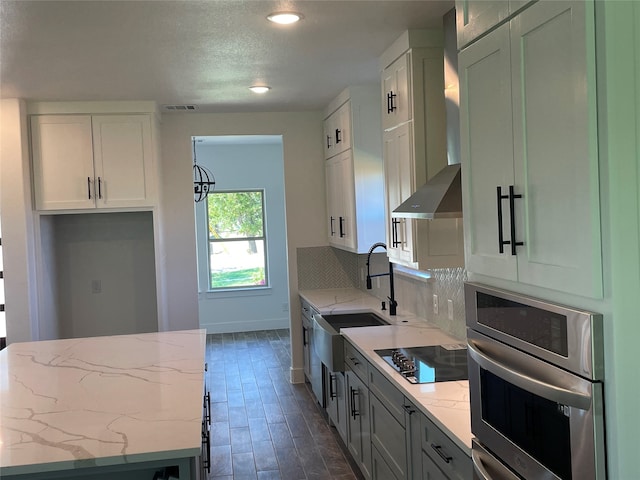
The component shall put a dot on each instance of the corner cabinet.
(93, 161)
(529, 150)
(414, 149)
(354, 171)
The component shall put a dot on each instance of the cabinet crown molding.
(92, 107)
(432, 37)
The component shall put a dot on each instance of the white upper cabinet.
(354, 170)
(396, 93)
(476, 17)
(530, 153)
(86, 162)
(415, 149)
(337, 131)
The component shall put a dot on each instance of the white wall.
(238, 166)
(304, 202)
(17, 224)
(104, 274)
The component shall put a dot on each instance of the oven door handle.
(572, 396)
(480, 459)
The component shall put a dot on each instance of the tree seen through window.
(237, 253)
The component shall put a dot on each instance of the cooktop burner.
(436, 363)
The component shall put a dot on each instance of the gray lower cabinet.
(452, 462)
(388, 437)
(379, 468)
(395, 429)
(336, 402)
(430, 470)
(358, 434)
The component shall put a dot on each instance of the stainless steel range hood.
(440, 197)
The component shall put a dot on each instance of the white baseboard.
(296, 375)
(248, 326)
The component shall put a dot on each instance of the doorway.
(247, 166)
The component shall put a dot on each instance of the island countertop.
(100, 401)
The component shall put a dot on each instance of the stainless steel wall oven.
(536, 387)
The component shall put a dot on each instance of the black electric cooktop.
(436, 363)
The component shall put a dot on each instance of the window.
(237, 242)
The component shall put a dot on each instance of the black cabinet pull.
(89, 187)
(332, 391)
(328, 141)
(408, 409)
(353, 393)
(338, 135)
(444, 456)
(342, 234)
(206, 446)
(99, 187)
(501, 240)
(305, 332)
(391, 107)
(512, 197)
(333, 232)
(394, 232)
(206, 405)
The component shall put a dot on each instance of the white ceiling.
(205, 53)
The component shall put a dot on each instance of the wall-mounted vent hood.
(440, 197)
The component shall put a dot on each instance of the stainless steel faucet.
(392, 296)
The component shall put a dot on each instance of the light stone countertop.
(100, 401)
(444, 403)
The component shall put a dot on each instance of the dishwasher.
(312, 363)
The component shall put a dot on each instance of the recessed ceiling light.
(259, 89)
(284, 18)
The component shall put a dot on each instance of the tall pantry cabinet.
(95, 174)
(529, 150)
(415, 148)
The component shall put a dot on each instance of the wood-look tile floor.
(262, 426)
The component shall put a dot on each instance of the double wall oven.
(536, 388)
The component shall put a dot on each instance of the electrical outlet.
(435, 304)
(96, 286)
(377, 282)
(285, 307)
(450, 309)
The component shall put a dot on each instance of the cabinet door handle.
(206, 445)
(305, 332)
(329, 141)
(391, 101)
(338, 136)
(353, 393)
(394, 232)
(444, 456)
(206, 405)
(408, 409)
(99, 187)
(89, 187)
(512, 197)
(342, 234)
(333, 232)
(501, 240)
(332, 391)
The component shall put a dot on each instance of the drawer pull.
(444, 456)
(408, 409)
(206, 447)
(354, 360)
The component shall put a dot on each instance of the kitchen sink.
(328, 344)
(348, 320)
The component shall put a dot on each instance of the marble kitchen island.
(103, 407)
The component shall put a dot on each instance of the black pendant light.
(203, 180)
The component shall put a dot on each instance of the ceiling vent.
(179, 108)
